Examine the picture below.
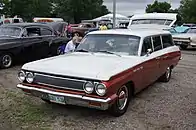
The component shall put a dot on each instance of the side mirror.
(149, 51)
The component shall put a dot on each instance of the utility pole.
(114, 13)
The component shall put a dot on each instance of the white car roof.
(134, 32)
(171, 16)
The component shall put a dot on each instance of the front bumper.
(71, 99)
(182, 43)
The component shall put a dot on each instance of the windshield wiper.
(108, 52)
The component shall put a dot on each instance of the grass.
(20, 111)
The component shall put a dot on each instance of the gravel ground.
(162, 106)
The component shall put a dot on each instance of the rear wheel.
(166, 76)
(121, 104)
(6, 61)
(184, 47)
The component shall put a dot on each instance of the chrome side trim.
(60, 77)
(55, 86)
(64, 94)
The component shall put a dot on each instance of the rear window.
(167, 41)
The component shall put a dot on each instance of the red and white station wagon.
(105, 71)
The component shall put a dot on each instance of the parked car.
(186, 39)
(82, 28)
(181, 29)
(59, 28)
(91, 30)
(189, 25)
(29, 41)
(172, 31)
(105, 71)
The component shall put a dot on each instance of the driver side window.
(32, 32)
(147, 44)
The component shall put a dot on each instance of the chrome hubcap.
(122, 98)
(6, 61)
(168, 73)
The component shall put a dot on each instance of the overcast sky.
(129, 7)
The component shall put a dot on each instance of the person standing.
(69, 30)
(71, 45)
(103, 26)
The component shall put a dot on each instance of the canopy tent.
(109, 18)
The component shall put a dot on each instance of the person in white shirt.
(71, 45)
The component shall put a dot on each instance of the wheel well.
(131, 87)
(172, 66)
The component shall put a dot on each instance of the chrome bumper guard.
(70, 99)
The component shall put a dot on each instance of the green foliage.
(77, 10)
(5, 7)
(159, 7)
(73, 10)
(28, 9)
(187, 10)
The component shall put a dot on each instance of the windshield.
(10, 31)
(152, 21)
(191, 30)
(113, 43)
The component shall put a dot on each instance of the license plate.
(179, 43)
(57, 99)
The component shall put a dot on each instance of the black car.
(29, 41)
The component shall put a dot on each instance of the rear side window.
(33, 32)
(147, 44)
(157, 43)
(45, 31)
(167, 41)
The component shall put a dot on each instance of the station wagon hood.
(83, 65)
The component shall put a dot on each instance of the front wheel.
(121, 104)
(6, 61)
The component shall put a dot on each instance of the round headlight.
(101, 89)
(21, 76)
(88, 87)
(30, 77)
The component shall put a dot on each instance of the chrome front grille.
(59, 82)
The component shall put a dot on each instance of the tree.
(5, 7)
(77, 10)
(28, 9)
(159, 7)
(187, 10)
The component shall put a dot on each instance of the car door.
(150, 63)
(33, 43)
(29, 41)
(47, 39)
(165, 58)
(157, 55)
